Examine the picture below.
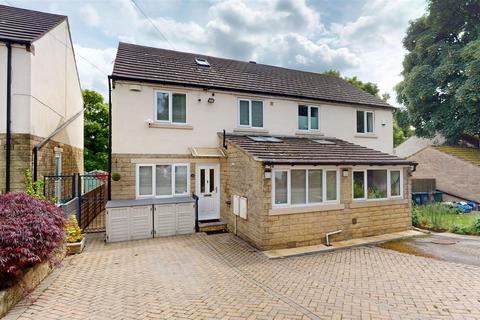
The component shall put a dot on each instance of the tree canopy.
(441, 72)
(95, 131)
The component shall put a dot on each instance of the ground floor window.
(162, 180)
(377, 184)
(301, 186)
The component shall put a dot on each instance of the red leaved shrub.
(31, 231)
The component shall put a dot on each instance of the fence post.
(79, 199)
(73, 185)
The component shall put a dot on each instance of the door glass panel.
(331, 185)
(257, 114)
(162, 106)
(202, 180)
(145, 181)
(244, 113)
(212, 180)
(181, 180)
(302, 117)
(179, 108)
(314, 118)
(298, 186)
(314, 186)
(281, 195)
(163, 180)
(360, 122)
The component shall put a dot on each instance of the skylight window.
(264, 139)
(202, 62)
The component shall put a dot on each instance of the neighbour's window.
(308, 118)
(304, 186)
(162, 180)
(365, 121)
(171, 107)
(250, 113)
(377, 184)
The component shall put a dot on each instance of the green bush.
(415, 218)
(458, 229)
(476, 225)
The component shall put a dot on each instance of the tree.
(441, 72)
(369, 87)
(402, 128)
(95, 131)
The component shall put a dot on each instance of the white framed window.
(377, 184)
(308, 117)
(162, 180)
(365, 121)
(170, 107)
(250, 113)
(293, 187)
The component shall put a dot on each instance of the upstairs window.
(308, 118)
(365, 121)
(171, 107)
(250, 113)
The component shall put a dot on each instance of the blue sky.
(361, 38)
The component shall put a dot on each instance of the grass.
(440, 217)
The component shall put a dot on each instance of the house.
(280, 156)
(41, 104)
(455, 169)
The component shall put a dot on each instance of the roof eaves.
(51, 28)
(139, 79)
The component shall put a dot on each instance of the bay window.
(162, 180)
(250, 113)
(170, 107)
(308, 118)
(377, 184)
(296, 187)
(365, 121)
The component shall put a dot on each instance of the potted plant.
(75, 237)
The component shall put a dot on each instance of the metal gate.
(84, 195)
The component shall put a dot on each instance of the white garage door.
(138, 222)
(129, 223)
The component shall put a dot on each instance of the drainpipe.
(9, 116)
(109, 137)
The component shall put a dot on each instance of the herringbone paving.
(222, 277)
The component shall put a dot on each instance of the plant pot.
(76, 247)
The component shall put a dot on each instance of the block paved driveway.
(221, 277)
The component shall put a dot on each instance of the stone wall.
(22, 158)
(452, 174)
(244, 176)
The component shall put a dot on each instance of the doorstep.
(340, 245)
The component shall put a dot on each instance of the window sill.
(366, 135)
(309, 133)
(377, 203)
(306, 209)
(250, 130)
(170, 126)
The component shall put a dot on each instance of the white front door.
(207, 187)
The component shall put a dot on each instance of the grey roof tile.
(300, 150)
(25, 26)
(142, 63)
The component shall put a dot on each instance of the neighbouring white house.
(281, 157)
(41, 104)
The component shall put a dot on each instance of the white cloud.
(90, 15)
(93, 66)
